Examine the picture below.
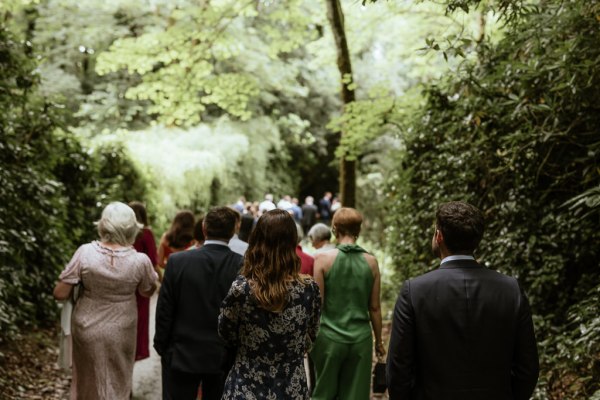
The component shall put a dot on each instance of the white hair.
(118, 224)
(320, 232)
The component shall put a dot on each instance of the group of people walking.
(248, 324)
(306, 215)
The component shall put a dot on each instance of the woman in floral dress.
(270, 316)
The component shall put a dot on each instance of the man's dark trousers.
(194, 285)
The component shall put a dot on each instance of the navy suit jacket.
(194, 286)
(462, 332)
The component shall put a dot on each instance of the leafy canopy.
(186, 71)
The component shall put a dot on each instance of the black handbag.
(379, 381)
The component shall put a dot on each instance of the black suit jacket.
(194, 285)
(309, 216)
(462, 332)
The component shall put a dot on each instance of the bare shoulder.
(371, 260)
(324, 261)
(326, 257)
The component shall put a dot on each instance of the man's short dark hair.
(461, 225)
(238, 215)
(220, 223)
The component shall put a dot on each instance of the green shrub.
(51, 191)
(517, 135)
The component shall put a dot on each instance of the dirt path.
(28, 369)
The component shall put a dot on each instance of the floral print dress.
(270, 346)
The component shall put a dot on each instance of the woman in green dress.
(349, 280)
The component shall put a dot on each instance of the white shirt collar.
(222, 243)
(457, 257)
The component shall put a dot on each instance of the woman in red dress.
(180, 236)
(144, 243)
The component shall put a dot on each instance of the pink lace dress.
(104, 319)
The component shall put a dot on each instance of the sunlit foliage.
(516, 133)
(199, 59)
(51, 190)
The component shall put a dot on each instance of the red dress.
(144, 244)
(307, 261)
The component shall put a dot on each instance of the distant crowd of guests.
(243, 312)
(306, 215)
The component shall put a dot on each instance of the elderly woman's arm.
(147, 285)
(375, 305)
(149, 292)
(62, 290)
(69, 277)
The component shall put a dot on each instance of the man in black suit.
(309, 214)
(462, 331)
(195, 284)
(325, 208)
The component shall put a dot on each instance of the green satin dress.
(342, 353)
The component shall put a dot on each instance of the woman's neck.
(346, 240)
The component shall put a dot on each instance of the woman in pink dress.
(144, 243)
(104, 319)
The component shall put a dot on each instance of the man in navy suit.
(325, 208)
(195, 284)
(462, 331)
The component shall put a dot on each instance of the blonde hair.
(118, 224)
(347, 222)
(271, 262)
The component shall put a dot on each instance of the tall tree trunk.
(481, 20)
(347, 167)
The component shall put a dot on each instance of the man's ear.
(439, 236)
(204, 229)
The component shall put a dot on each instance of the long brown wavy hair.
(181, 232)
(271, 262)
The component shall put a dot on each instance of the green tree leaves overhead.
(199, 59)
(364, 121)
(244, 70)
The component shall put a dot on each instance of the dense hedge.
(51, 191)
(517, 134)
